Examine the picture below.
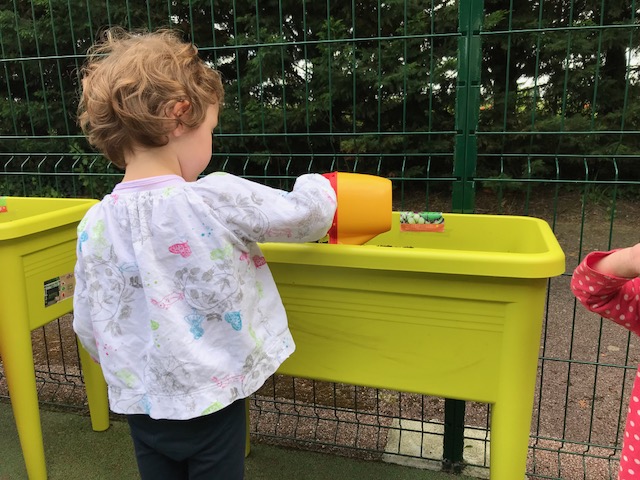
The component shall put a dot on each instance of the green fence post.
(465, 151)
(453, 443)
(470, 16)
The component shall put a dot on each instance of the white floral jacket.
(173, 296)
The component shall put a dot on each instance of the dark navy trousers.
(204, 448)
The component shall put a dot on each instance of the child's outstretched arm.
(260, 213)
(607, 283)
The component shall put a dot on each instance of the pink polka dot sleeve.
(612, 297)
(617, 299)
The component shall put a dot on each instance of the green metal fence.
(527, 107)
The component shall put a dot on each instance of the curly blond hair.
(130, 83)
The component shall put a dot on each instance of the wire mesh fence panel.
(558, 138)
(527, 108)
(308, 87)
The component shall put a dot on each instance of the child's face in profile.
(197, 145)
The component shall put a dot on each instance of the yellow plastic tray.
(455, 314)
(485, 245)
(27, 215)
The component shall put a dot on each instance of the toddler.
(607, 283)
(173, 296)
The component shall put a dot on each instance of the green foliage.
(559, 84)
(319, 85)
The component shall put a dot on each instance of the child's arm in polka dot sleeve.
(606, 283)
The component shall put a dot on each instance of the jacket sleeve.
(611, 297)
(260, 213)
(82, 324)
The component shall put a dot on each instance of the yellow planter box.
(37, 254)
(455, 314)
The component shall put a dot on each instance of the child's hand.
(621, 263)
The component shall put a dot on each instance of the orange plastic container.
(364, 207)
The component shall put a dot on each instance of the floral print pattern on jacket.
(173, 296)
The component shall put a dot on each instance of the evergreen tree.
(353, 84)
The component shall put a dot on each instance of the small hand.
(621, 263)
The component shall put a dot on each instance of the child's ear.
(180, 109)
